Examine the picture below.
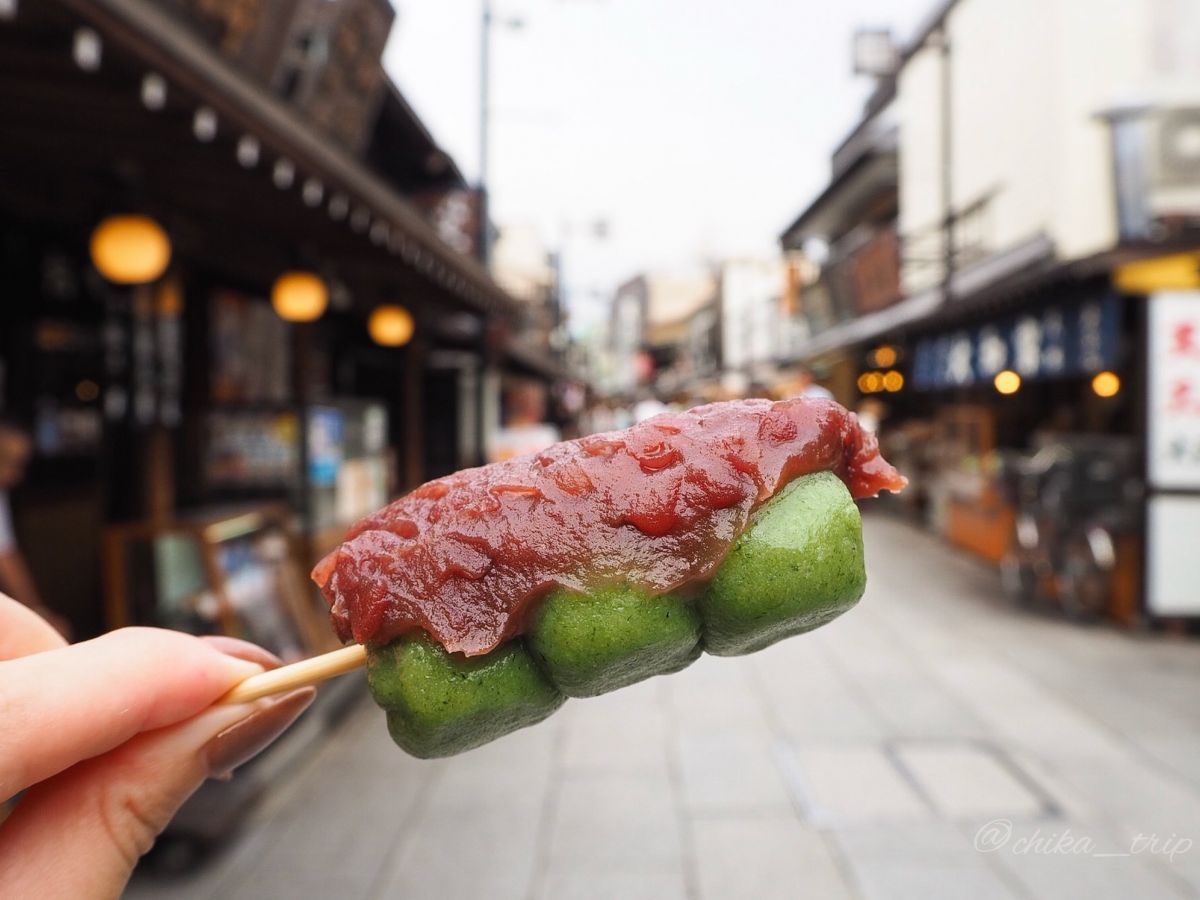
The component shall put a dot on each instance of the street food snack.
(487, 597)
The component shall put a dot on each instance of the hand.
(108, 738)
(55, 621)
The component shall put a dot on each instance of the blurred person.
(647, 407)
(870, 414)
(107, 738)
(806, 386)
(759, 390)
(15, 578)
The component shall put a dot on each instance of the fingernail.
(249, 737)
(243, 650)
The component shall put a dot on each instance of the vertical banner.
(1173, 453)
(1173, 405)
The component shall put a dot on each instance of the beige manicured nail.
(249, 737)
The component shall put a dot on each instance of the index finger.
(22, 631)
(73, 703)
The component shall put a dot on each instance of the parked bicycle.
(1075, 499)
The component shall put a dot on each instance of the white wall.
(1029, 77)
(918, 111)
(750, 312)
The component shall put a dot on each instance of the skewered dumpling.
(488, 597)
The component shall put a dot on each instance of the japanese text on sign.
(1174, 402)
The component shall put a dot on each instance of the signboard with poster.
(1173, 408)
(1173, 452)
(1172, 523)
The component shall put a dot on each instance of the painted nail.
(249, 737)
(244, 650)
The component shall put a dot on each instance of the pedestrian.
(15, 578)
(107, 738)
(806, 386)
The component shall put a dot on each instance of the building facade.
(989, 251)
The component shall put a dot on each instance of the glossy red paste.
(657, 505)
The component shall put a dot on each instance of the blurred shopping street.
(932, 743)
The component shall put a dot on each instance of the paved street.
(931, 743)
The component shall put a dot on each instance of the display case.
(966, 503)
(233, 571)
(241, 572)
(348, 472)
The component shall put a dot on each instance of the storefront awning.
(152, 36)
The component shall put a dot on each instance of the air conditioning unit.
(1156, 164)
(1172, 167)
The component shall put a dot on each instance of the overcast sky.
(696, 128)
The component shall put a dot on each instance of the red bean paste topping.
(658, 505)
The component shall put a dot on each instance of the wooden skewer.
(298, 674)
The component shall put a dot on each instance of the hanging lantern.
(1007, 382)
(1106, 384)
(299, 296)
(390, 326)
(130, 249)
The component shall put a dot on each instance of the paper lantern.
(130, 249)
(299, 296)
(390, 326)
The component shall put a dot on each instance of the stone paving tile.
(363, 813)
(1137, 798)
(610, 820)
(853, 784)
(513, 771)
(923, 879)
(478, 827)
(932, 861)
(765, 857)
(717, 694)
(1177, 752)
(624, 731)
(1024, 713)
(600, 746)
(807, 697)
(731, 771)
(492, 852)
(623, 883)
(967, 780)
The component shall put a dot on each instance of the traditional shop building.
(313, 333)
(242, 308)
(992, 243)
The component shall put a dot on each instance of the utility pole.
(485, 54)
(949, 216)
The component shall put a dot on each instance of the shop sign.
(1172, 522)
(1174, 390)
(1056, 341)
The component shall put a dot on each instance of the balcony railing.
(861, 276)
(868, 277)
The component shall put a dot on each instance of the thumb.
(81, 833)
